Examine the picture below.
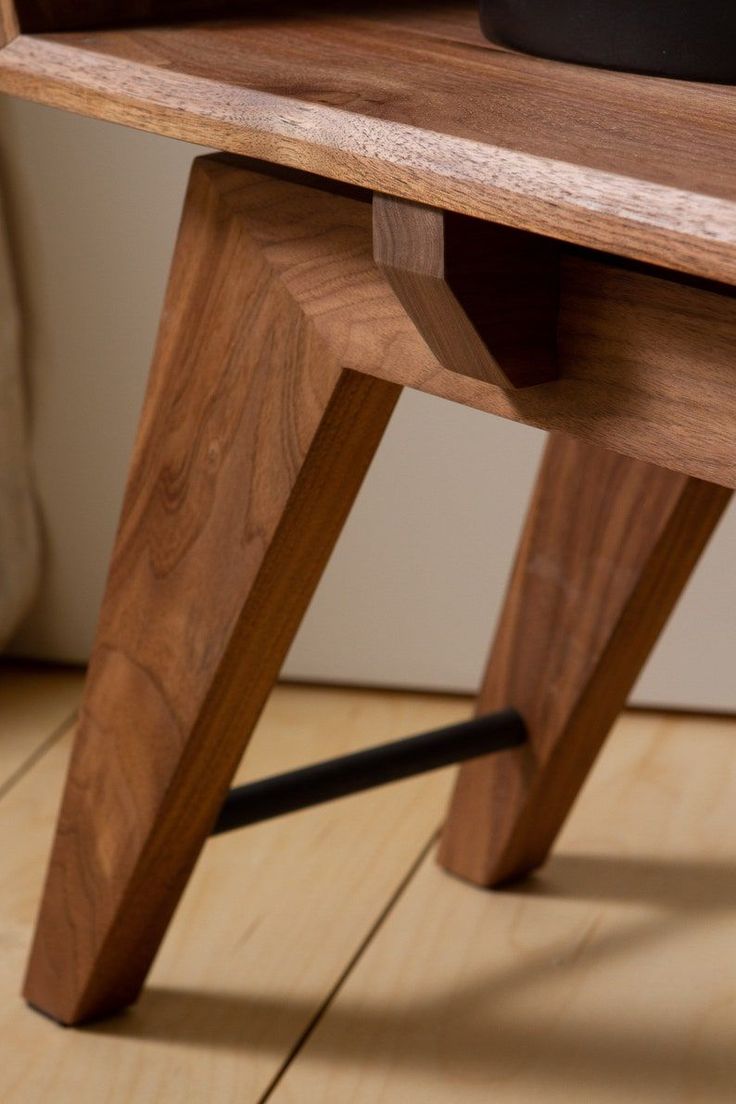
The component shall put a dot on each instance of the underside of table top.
(412, 101)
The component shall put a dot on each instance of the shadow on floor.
(494, 1026)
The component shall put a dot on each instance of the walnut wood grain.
(608, 545)
(646, 369)
(253, 442)
(409, 100)
(645, 358)
(484, 297)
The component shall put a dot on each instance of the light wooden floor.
(324, 959)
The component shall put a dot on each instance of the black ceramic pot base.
(687, 39)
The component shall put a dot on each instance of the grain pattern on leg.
(252, 445)
(484, 297)
(609, 544)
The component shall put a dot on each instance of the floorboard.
(318, 959)
(609, 977)
(36, 701)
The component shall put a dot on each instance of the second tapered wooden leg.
(609, 544)
(253, 443)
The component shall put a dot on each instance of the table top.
(410, 99)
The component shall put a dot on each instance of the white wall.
(415, 584)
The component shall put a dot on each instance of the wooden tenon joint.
(484, 297)
(364, 770)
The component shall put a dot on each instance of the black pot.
(690, 39)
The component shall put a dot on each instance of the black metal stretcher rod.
(300, 789)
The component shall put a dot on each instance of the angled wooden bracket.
(484, 297)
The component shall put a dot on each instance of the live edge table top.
(411, 100)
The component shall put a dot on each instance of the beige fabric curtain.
(19, 547)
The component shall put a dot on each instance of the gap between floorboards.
(360, 950)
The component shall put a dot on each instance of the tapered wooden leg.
(609, 544)
(252, 445)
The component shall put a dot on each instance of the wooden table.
(398, 203)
